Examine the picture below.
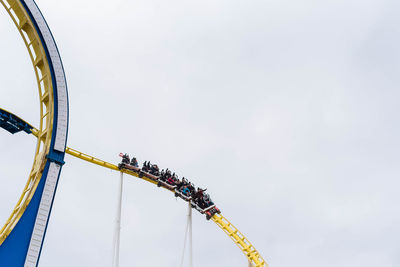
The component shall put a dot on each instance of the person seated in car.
(171, 181)
(125, 159)
(184, 181)
(179, 185)
(200, 203)
(192, 188)
(144, 168)
(162, 175)
(199, 195)
(155, 170)
(134, 162)
(196, 195)
(186, 191)
(208, 200)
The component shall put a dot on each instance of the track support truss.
(240, 240)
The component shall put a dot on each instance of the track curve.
(22, 235)
(240, 240)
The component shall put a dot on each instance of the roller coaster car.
(166, 185)
(211, 212)
(139, 171)
(182, 195)
(202, 211)
(129, 167)
(151, 176)
(125, 163)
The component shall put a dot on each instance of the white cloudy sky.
(287, 111)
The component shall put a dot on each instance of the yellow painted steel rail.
(43, 77)
(240, 240)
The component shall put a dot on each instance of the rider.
(208, 200)
(144, 168)
(134, 162)
(186, 191)
(125, 158)
(179, 185)
(155, 170)
(198, 196)
(171, 180)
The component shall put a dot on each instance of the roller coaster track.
(240, 240)
(21, 238)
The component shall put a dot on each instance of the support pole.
(190, 234)
(188, 231)
(117, 233)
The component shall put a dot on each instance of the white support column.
(117, 233)
(190, 234)
(188, 231)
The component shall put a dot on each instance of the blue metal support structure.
(21, 245)
(12, 123)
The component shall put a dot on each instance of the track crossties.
(12, 123)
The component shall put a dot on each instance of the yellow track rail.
(102, 163)
(241, 241)
(43, 77)
(91, 159)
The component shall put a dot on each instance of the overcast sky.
(287, 111)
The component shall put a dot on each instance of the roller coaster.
(22, 236)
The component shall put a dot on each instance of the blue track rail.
(23, 246)
(12, 123)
